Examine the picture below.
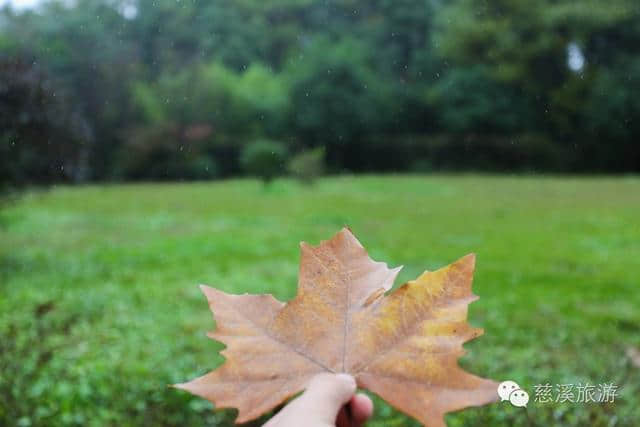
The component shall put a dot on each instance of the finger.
(325, 395)
(356, 412)
(361, 408)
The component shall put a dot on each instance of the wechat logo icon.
(511, 391)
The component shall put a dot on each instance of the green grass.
(100, 310)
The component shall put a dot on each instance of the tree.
(38, 142)
(265, 159)
(471, 100)
(209, 110)
(83, 49)
(337, 99)
(525, 46)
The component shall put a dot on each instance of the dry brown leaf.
(403, 346)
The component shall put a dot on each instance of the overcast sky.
(20, 4)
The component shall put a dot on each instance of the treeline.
(148, 89)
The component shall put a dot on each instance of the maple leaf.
(404, 346)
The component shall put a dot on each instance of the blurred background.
(124, 90)
(147, 146)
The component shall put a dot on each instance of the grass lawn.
(100, 309)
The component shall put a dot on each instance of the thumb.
(326, 394)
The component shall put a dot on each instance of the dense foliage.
(117, 89)
(264, 158)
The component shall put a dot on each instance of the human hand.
(328, 401)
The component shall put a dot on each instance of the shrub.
(307, 165)
(164, 152)
(264, 159)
